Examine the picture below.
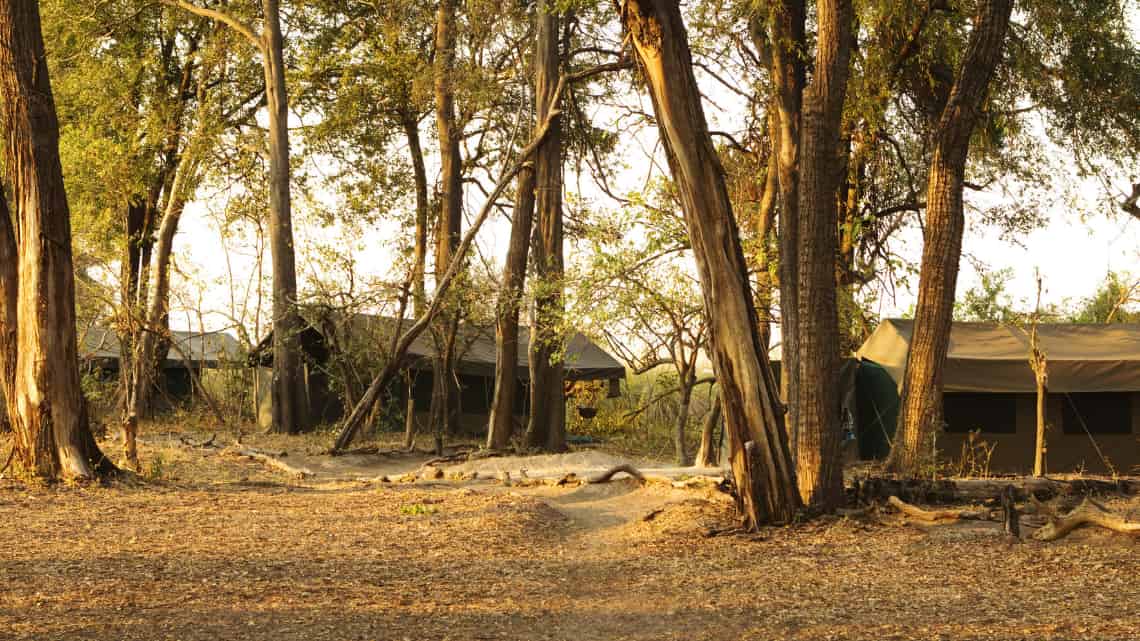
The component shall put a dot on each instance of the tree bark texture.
(290, 413)
(9, 292)
(819, 466)
(786, 33)
(761, 463)
(920, 409)
(52, 434)
(502, 421)
(546, 423)
(450, 216)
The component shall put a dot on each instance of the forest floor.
(212, 546)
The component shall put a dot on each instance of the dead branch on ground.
(608, 474)
(1089, 512)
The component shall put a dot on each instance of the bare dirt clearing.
(243, 553)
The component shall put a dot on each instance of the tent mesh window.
(1097, 412)
(968, 411)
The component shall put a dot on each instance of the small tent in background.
(341, 354)
(1093, 405)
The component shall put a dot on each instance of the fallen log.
(935, 516)
(950, 491)
(606, 476)
(273, 462)
(1089, 512)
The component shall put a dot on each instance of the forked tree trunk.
(152, 341)
(290, 413)
(450, 216)
(546, 423)
(818, 464)
(920, 408)
(761, 463)
(49, 416)
(708, 455)
(502, 420)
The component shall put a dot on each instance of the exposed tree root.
(272, 461)
(1089, 512)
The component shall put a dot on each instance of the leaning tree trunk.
(290, 413)
(502, 420)
(546, 426)
(450, 216)
(819, 466)
(761, 464)
(49, 415)
(920, 408)
(419, 259)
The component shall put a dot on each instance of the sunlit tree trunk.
(290, 413)
(920, 408)
(444, 389)
(49, 416)
(546, 425)
(761, 463)
(818, 464)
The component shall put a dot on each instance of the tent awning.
(991, 357)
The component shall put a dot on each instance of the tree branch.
(237, 25)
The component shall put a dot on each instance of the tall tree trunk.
(818, 464)
(53, 437)
(450, 215)
(9, 292)
(761, 463)
(765, 216)
(786, 33)
(682, 422)
(290, 414)
(546, 424)
(502, 420)
(419, 259)
(920, 408)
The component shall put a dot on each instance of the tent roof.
(474, 347)
(207, 349)
(992, 357)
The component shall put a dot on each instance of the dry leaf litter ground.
(222, 548)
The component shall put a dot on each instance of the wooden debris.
(609, 474)
(1011, 520)
(273, 462)
(1089, 512)
(937, 515)
(951, 491)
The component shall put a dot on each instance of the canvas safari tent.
(99, 354)
(1093, 404)
(341, 354)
